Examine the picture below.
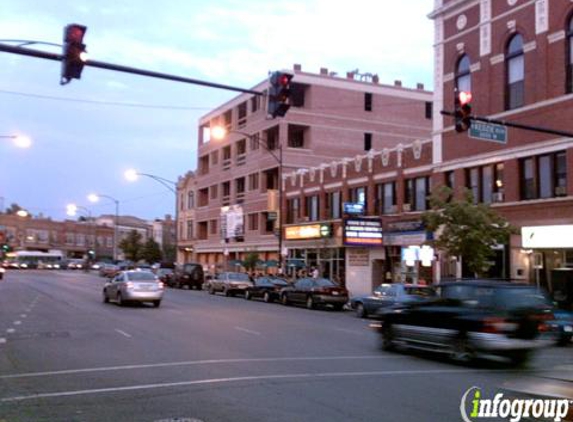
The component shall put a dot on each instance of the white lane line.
(17, 322)
(123, 333)
(23, 315)
(11, 330)
(314, 376)
(246, 330)
(2, 340)
(199, 362)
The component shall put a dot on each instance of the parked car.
(190, 275)
(266, 287)
(563, 324)
(470, 319)
(2, 271)
(134, 286)
(387, 295)
(166, 276)
(230, 283)
(313, 292)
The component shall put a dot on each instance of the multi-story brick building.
(330, 118)
(516, 57)
(186, 188)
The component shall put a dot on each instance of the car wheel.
(199, 287)
(211, 290)
(360, 311)
(248, 295)
(462, 351)
(119, 300)
(309, 302)
(388, 338)
(267, 297)
(156, 303)
(284, 300)
(519, 357)
(105, 298)
(563, 340)
(227, 292)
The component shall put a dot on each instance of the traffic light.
(462, 110)
(74, 53)
(279, 94)
(6, 248)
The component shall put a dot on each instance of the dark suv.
(190, 275)
(473, 318)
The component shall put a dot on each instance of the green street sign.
(488, 132)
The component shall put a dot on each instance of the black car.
(166, 275)
(313, 292)
(266, 287)
(473, 318)
(387, 295)
(190, 275)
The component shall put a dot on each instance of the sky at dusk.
(87, 133)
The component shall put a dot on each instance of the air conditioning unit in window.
(497, 197)
(407, 207)
(560, 191)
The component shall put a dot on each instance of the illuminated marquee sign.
(362, 232)
(308, 231)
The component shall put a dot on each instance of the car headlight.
(2, 270)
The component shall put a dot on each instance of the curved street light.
(219, 133)
(95, 197)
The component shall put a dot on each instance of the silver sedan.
(134, 286)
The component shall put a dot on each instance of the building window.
(213, 227)
(204, 164)
(487, 184)
(472, 177)
(214, 158)
(358, 195)
(367, 141)
(451, 179)
(386, 198)
(228, 119)
(429, 110)
(367, 101)
(242, 114)
(226, 189)
(203, 197)
(255, 103)
(515, 65)
(312, 204)
(240, 185)
(561, 174)
(416, 193)
(293, 210)
(253, 181)
(253, 222)
(334, 203)
(463, 74)
(527, 179)
(269, 223)
(298, 93)
(189, 229)
(254, 142)
(241, 147)
(213, 192)
(569, 61)
(296, 136)
(190, 200)
(272, 137)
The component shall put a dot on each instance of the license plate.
(568, 329)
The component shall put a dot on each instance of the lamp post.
(18, 140)
(219, 132)
(72, 210)
(95, 197)
(132, 175)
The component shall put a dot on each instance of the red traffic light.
(465, 97)
(74, 33)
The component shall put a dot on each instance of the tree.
(250, 261)
(466, 230)
(151, 252)
(132, 245)
(13, 209)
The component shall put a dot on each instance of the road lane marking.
(311, 376)
(23, 315)
(246, 330)
(199, 362)
(123, 333)
(17, 322)
(2, 340)
(11, 330)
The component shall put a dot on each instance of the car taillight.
(161, 285)
(129, 285)
(498, 325)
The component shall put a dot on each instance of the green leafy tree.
(13, 208)
(250, 261)
(466, 230)
(132, 245)
(151, 252)
(169, 253)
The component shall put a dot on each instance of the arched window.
(463, 74)
(569, 61)
(515, 65)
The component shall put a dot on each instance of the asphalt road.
(65, 356)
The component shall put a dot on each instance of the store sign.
(547, 236)
(362, 232)
(353, 208)
(232, 222)
(358, 257)
(424, 254)
(308, 231)
(404, 233)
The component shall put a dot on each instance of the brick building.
(516, 58)
(237, 179)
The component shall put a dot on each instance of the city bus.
(35, 259)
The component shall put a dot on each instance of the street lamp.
(72, 210)
(95, 197)
(132, 175)
(219, 132)
(19, 140)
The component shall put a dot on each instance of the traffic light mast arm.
(102, 65)
(515, 125)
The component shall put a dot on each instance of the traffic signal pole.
(125, 69)
(515, 125)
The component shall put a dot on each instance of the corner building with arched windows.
(515, 56)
